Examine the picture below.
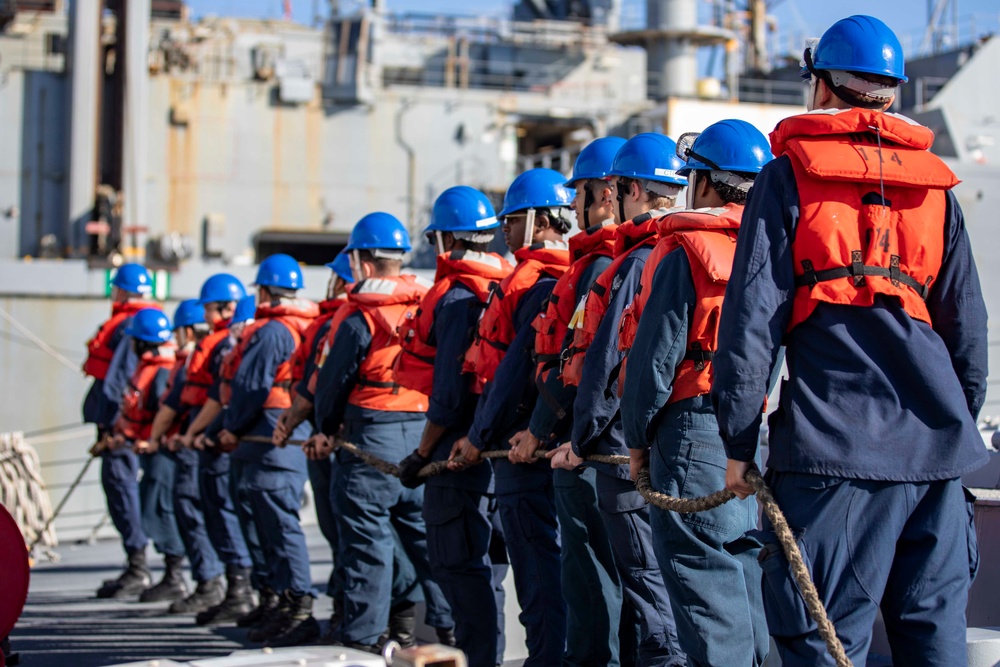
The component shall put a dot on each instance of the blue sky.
(796, 18)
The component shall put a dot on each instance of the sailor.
(150, 334)
(204, 473)
(131, 288)
(206, 568)
(853, 253)
(332, 311)
(270, 480)
(356, 396)
(536, 216)
(458, 506)
(590, 582)
(710, 571)
(646, 187)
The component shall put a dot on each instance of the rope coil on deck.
(665, 502)
(22, 489)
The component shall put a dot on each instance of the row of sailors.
(655, 332)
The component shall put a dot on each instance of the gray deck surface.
(63, 624)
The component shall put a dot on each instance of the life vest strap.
(550, 400)
(364, 382)
(699, 356)
(858, 271)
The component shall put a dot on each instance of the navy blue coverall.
(217, 483)
(459, 507)
(590, 581)
(370, 504)
(875, 424)
(709, 567)
(524, 491)
(205, 563)
(597, 429)
(269, 480)
(119, 467)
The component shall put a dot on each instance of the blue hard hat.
(341, 265)
(649, 156)
(189, 312)
(279, 271)
(220, 288)
(536, 188)
(729, 145)
(462, 209)
(379, 231)
(150, 325)
(596, 159)
(246, 309)
(860, 44)
(133, 278)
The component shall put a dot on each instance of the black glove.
(409, 469)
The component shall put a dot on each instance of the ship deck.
(64, 624)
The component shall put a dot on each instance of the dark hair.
(731, 194)
(863, 100)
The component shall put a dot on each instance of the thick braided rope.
(684, 505)
(799, 570)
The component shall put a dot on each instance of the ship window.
(310, 248)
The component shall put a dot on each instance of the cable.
(42, 345)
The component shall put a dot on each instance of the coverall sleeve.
(545, 421)
(339, 373)
(160, 381)
(122, 364)
(958, 311)
(302, 388)
(594, 408)
(219, 352)
(756, 310)
(659, 348)
(270, 346)
(454, 322)
(173, 398)
(498, 408)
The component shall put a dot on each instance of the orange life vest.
(708, 238)
(327, 309)
(851, 243)
(496, 327)
(323, 350)
(138, 406)
(634, 234)
(99, 350)
(296, 315)
(386, 304)
(227, 369)
(480, 272)
(199, 375)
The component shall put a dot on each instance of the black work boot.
(275, 622)
(336, 619)
(446, 636)
(171, 587)
(268, 602)
(133, 581)
(208, 594)
(402, 626)
(237, 603)
(301, 627)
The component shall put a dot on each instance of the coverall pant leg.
(648, 606)
(120, 479)
(320, 473)
(205, 563)
(408, 521)
(156, 500)
(223, 525)
(531, 530)
(239, 490)
(590, 582)
(907, 546)
(276, 496)
(458, 544)
(500, 566)
(709, 567)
